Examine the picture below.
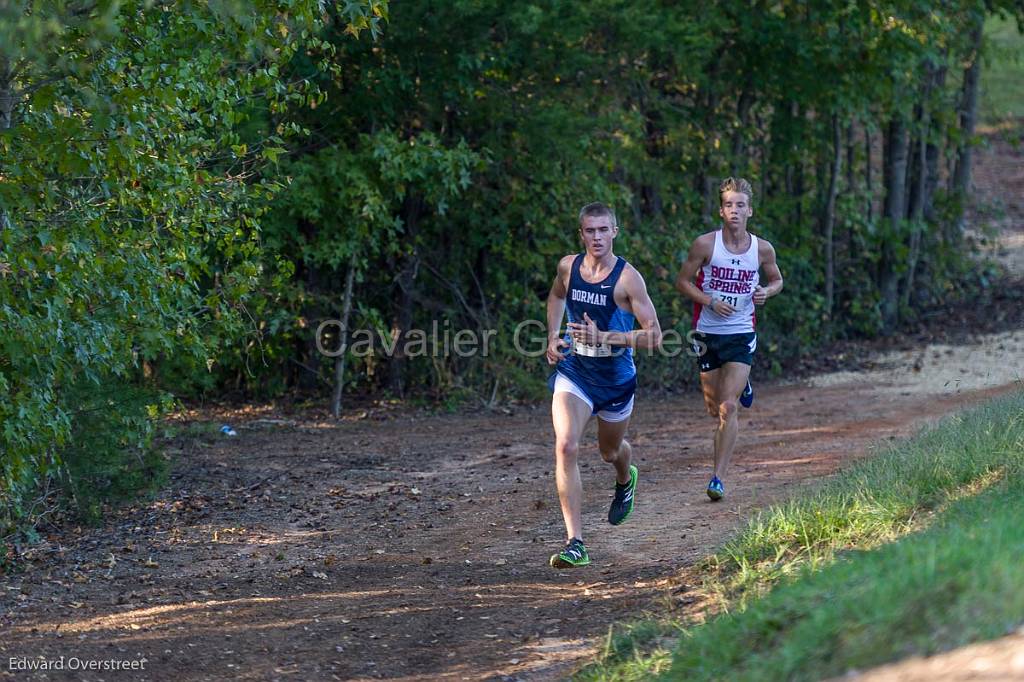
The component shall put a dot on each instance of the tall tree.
(968, 114)
(897, 141)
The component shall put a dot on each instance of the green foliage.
(129, 208)
(110, 456)
(353, 196)
(1002, 86)
(185, 187)
(451, 156)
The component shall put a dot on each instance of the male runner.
(726, 264)
(603, 295)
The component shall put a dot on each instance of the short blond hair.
(735, 185)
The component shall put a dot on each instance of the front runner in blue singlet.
(603, 295)
(726, 263)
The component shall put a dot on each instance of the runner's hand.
(586, 331)
(554, 351)
(760, 295)
(722, 308)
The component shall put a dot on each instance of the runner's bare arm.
(766, 253)
(649, 334)
(639, 301)
(700, 253)
(556, 311)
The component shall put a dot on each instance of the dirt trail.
(999, 660)
(408, 547)
(998, 200)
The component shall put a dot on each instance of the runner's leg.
(731, 381)
(569, 415)
(615, 449)
(709, 385)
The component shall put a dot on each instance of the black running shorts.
(714, 350)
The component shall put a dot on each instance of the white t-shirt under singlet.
(728, 277)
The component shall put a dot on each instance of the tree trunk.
(909, 181)
(309, 362)
(961, 180)
(650, 193)
(916, 219)
(6, 114)
(7, 76)
(743, 107)
(896, 148)
(798, 192)
(869, 185)
(830, 215)
(339, 362)
(650, 200)
(701, 180)
(933, 154)
(850, 157)
(412, 209)
(919, 190)
(795, 176)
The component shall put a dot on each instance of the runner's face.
(597, 233)
(735, 209)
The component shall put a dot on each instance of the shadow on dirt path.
(415, 547)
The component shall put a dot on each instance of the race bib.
(597, 350)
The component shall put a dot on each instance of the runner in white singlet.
(726, 265)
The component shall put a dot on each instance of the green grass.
(1002, 76)
(639, 650)
(955, 583)
(875, 501)
(912, 551)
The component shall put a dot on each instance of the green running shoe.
(622, 503)
(716, 490)
(573, 555)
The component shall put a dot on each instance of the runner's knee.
(566, 450)
(727, 408)
(609, 454)
(712, 407)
